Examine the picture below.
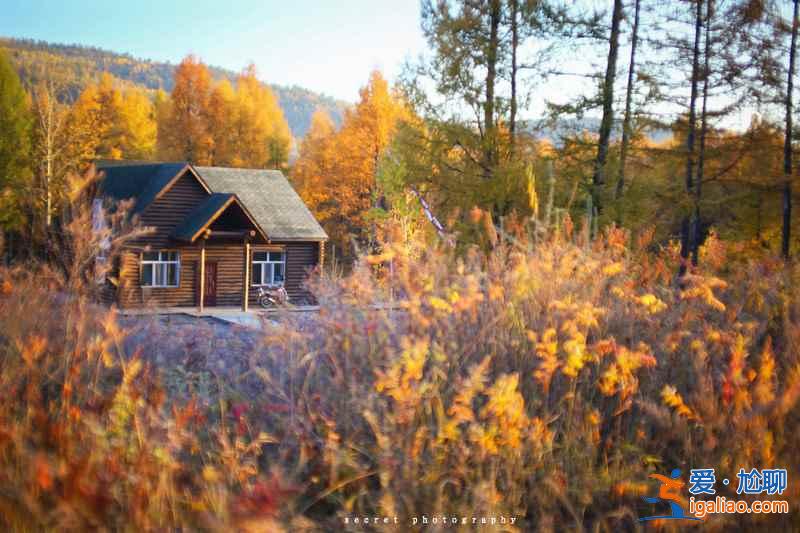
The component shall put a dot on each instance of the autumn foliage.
(336, 173)
(219, 125)
(541, 381)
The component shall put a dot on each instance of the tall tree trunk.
(686, 237)
(701, 157)
(598, 179)
(787, 142)
(491, 77)
(626, 121)
(512, 127)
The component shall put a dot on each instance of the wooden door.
(211, 283)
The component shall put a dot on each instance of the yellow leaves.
(220, 126)
(505, 421)
(540, 436)
(486, 439)
(652, 303)
(461, 409)
(340, 167)
(439, 304)
(672, 398)
(575, 348)
(533, 198)
(547, 351)
(414, 360)
(583, 314)
(112, 122)
(620, 377)
(504, 399)
(377, 259)
(210, 474)
(702, 288)
(764, 391)
(613, 269)
(132, 370)
(401, 380)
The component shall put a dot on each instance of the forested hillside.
(77, 66)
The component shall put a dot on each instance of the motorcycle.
(271, 297)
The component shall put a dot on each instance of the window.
(160, 269)
(269, 268)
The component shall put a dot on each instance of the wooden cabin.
(215, 235)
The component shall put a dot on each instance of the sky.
(324, 45)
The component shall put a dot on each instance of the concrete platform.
(234, 315)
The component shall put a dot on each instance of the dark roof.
(142, 182)
(201, 216)
(270, 198)
(266, 195)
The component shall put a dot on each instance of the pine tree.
(15, 129)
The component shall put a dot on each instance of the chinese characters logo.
(702, 482)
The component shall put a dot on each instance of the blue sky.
(323, 45)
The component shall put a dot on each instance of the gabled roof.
(141, 182)
(265, 195)
(207, 212)
(270, 198)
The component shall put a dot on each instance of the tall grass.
(543, 382)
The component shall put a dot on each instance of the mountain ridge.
(79, 65)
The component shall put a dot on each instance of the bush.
(542, 382)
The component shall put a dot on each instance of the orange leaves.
(765, 382)
(672, 398)
(505, 423)
(43, 472)
(401, 381)
(32, 349)
(702, 288)
(621, 376)
(461, 408)
(217, 125)
(336, 171)
(735, 384)
(547, 351)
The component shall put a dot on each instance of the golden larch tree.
(183, 132)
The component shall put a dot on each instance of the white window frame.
(267, 269)
(161, 264)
